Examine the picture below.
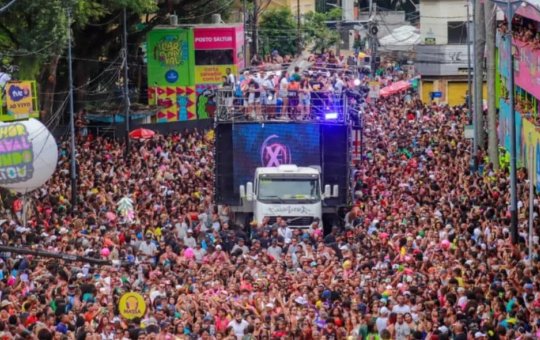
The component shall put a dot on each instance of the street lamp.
(510, 8)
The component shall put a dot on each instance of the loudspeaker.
(224, 178)
(334, 160)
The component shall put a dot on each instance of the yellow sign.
(19, 99)
(132, 305)
(211, 74)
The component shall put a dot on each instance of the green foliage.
(278, 31)
(32, 31)
(316, 31)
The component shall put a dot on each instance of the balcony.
(441, 60)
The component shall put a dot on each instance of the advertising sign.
(272, 145)
(214, 38)
(20, 99)
(132, 305)
(527, 74)
(170, 57)
(28, 155)
(209, 74)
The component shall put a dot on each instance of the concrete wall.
(435, 15)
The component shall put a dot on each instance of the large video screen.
(270, 145)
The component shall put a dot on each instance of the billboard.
(271, 145)
(20, 101)
(170, 57)
(216, 49)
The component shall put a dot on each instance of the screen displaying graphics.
(271, 145)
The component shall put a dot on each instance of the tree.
(278, 31)
(33, 38)
(316, 30)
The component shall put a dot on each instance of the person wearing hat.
(148, 249)
(189, 240)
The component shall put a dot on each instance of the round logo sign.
(132, 305)
(171, 76)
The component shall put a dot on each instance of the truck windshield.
(288, 189)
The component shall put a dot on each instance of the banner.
(132, 305)
(20, 98)
(170, 57)
(504, 129)
(214, 38)
(212, 74)
(527, 74)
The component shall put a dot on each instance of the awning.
(396, 87)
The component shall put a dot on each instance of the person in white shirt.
(147, 248)
(382, 321)
(238, 325)
(401, 307)
(189, 240)
(274, 250)
(285, 232)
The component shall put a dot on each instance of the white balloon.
(28, 155)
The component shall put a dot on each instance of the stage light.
(331, 116)
(356, 82)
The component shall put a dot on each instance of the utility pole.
(255, 33)
(509, 9)
(127, 103)
(469, 66)
(338, 28)
(73, 161)
(244, 17)
(513, 148)
(372, 32)
(491, 26)
(298, 34)
(480, 43)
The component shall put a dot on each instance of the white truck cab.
(289, 191)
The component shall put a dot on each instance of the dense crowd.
(425, 253)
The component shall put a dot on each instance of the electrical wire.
(206, 14)
(8, 5)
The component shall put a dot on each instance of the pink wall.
(527, 75)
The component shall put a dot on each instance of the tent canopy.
(396, 87)
(401, 36)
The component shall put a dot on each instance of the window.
(457, 32)
(214, 57)
(280, 189)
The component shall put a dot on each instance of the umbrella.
(141, 133)
(395, 88)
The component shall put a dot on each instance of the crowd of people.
(425, 252)
(523, 30)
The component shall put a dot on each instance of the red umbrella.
(141, 133)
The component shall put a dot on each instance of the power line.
(8, 5)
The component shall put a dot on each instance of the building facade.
(442, 55)
(526, 67)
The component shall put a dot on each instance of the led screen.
(259, 145)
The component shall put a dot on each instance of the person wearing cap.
(382, 320)
(148, 249)
(189, 240)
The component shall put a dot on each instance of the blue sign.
(17, 93)
(437, 94)
(171, 76)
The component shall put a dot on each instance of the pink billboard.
(215, 38)
(527, 75)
